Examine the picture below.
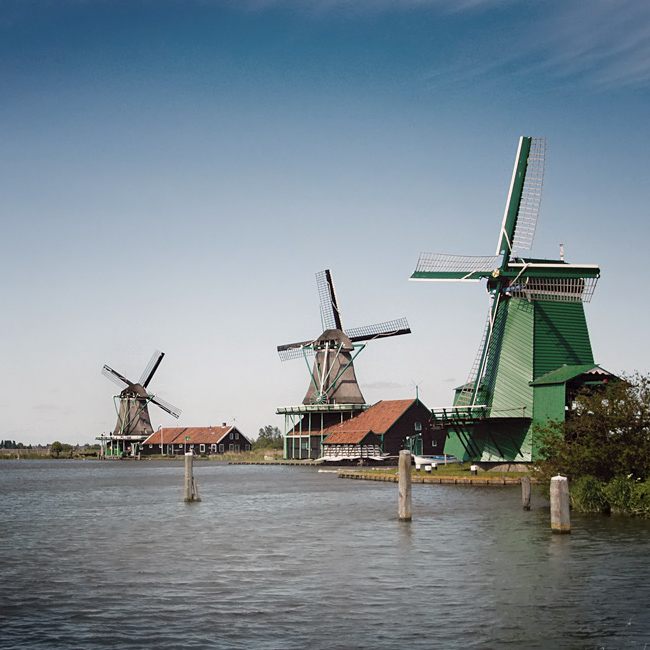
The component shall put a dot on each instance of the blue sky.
(175, 173)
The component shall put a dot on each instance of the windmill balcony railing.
(449, 414)
(319, 408)
(467, 414)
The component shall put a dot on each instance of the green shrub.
(621, 496)
(588, 495)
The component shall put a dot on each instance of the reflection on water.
(108, 555)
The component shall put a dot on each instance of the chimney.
(224, 425)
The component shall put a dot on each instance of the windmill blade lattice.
(468, 393)
(151, 368)
(166, 406)
(531, 197)
(295, 350)
(524, 198)
(440, 266)
(115, 377)
(329, 307)
(369, 332)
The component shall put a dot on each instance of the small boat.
(446, 459)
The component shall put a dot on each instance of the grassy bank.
(456, 470)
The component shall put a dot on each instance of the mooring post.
(560, 505)
(525, 492)
(404, 470)
(191, 493)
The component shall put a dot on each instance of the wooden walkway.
(297, 463)
(437, 480)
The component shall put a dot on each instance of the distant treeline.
(12, 444)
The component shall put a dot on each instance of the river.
(108, 555)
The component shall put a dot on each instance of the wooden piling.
(525, 492)
(404, 487)
(560, 505)
(191, 492)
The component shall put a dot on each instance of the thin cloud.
(608, 42)
(600, 42)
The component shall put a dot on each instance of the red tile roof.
(196, 435)
(356, 437)
(378, 419)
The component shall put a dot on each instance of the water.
(107, 555)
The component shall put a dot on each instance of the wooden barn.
(176, 441)
(391, 421)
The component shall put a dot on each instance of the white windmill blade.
(440, 266)
(527, 200)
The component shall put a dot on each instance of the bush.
(606, 435)
(587, 495)
(620, 496)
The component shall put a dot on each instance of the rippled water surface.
(107, 555)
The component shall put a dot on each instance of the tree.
(268, 437)
(606, 435)
(56, 448)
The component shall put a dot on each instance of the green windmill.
(535, 353)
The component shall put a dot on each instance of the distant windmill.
(332, 378)
(134, 399)
(536, 322)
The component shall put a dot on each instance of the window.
(231, 436)
(418, 426)
(221, 449)
(247, 447)
(236, 447)
(434, 443)
(236, 435)
(213, 448)
(202, 448)
(231, 447)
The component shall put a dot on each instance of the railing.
(451, 414)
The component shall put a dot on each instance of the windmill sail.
(115, 377)
(151, 368)
(369, 332)
(329, 306)
(166, 406)
(438, 266)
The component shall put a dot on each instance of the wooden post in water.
(525, 492)
(404, 470)
(191, 493)
(560, 504)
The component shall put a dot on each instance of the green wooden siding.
(512, 396)
(549, 403)
(561, 336)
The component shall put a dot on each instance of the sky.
(174, 174)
